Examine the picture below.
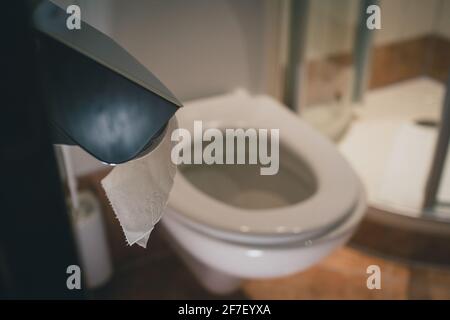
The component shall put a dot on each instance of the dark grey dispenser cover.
(98, 96)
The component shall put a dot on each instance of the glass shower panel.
(437, 190)
(328, 60)
(392, 140)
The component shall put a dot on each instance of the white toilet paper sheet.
(139, 189)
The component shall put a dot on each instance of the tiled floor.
(343, 276)
(157, 273)
(152, 273)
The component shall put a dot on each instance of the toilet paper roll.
(139, 189)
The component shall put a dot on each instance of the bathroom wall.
(443, 24)
(406, 19)
(414, 40)
(401, 20)
(197, 48)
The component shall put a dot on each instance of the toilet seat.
(337, 187)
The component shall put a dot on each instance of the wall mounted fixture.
(98, 96)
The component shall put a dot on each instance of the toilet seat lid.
(337, 186)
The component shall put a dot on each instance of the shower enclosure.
(384, 98)
(319, 80)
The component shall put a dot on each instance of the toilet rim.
(345, 227)
(331, 170)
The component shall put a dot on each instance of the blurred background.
(378, 95)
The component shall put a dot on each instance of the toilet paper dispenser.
(98, 96)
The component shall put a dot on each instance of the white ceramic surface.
(337, 186)
(260, 261)
(208, 234)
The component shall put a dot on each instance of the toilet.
(229, 223)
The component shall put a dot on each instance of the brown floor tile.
(340, 276)
(427, 283)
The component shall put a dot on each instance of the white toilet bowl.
(228, 222)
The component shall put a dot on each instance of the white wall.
(406, 19)
(332, 23)
(196, 47)
(443, 23)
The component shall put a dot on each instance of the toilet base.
(212, 280)
(220, 265)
